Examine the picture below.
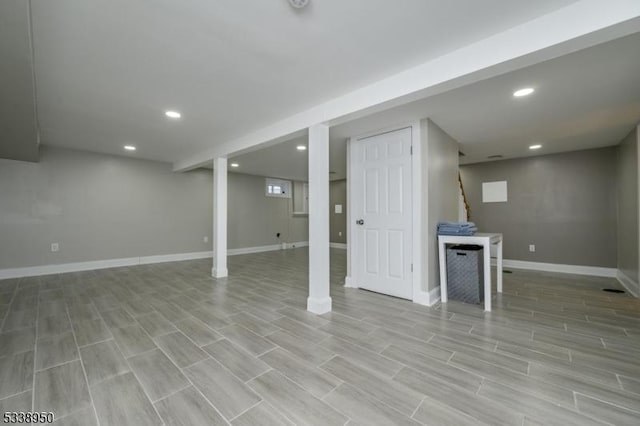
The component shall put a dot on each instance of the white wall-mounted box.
(494, 192)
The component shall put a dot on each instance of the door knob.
(360, 222)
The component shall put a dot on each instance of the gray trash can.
(465, 273)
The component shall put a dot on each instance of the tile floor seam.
(57, 365)
(6, 314)
(620, 385)
(35, 356)
(370, 396)
(210, 357)
(605, 402)
(209, 401)
(84, 371)
(153, 402)
(265, 352)
(246, 410)
(131, 370)
(419, 404)
(15, 394)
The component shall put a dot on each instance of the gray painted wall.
(18, 127)
(565, 204)
(254, 219)
(442, 174)
(99, 207)
(338, 222)
(628, 206)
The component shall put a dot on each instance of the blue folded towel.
(457, 224)
(466, 229)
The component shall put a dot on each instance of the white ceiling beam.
(578, 26)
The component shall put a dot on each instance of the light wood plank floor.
(167, 344)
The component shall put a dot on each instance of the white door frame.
(418, 205)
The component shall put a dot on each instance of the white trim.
(427, 298)
(144, 260)
(220, 214)
(419, 207)
(296, 244)
(271, 247)
(286, 188)
(630, 285)
(33, 271)
(349, 283)
(257, 249)
(416, 207)
(319, 306)
(595, 271)
(341, 246)
(219, 273)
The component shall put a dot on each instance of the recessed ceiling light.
(235, 165)
(301, 148)
(173, 114)
(130, 147)
(298, 4)
(535, 147)
(523, 92)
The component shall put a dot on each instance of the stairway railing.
(464, 198)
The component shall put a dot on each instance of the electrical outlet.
(532, 248)
(55, 247)
(340, 234)
(205, 239)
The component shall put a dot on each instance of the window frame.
(283, 185)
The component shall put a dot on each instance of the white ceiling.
(587, 99)
(285, 161)
(107, 69)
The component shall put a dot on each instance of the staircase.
(464, 210)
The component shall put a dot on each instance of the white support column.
(319, 301)
(219, 269)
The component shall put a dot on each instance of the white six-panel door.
(381, 173)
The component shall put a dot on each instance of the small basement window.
(277, 188)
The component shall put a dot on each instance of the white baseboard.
(427, 298)
(297, 245)
(349, 283)
(144, 260)
(271, 247)
(341, 246)
(595, 271)
(219, 273)
(33, 271)
(257, 249)
(630, 285)
(319, 306)
(421, 297)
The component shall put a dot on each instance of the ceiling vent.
(298, 4)
(495, 157)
